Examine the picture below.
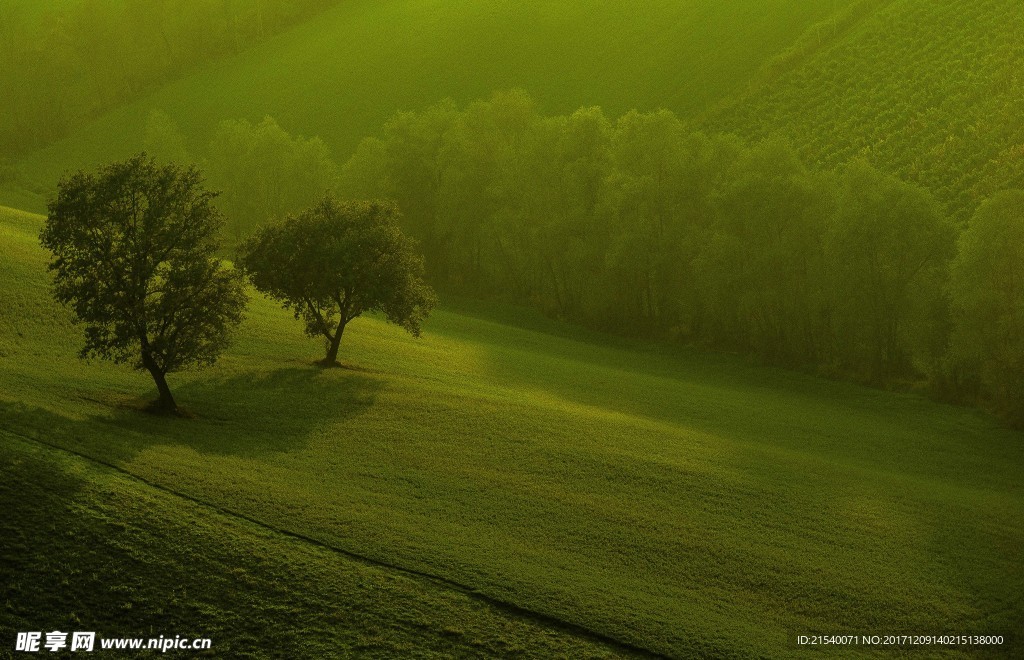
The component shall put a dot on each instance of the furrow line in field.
(503, 605)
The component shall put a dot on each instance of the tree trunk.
(332, 347)
(166, 402)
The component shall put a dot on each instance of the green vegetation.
(133, 258)
(988, 304)
(341, 74)
(89, 549)
(264, 172)
(681, 501)
(337, 261)
(930, 91)
(833, 187)
(645, 228)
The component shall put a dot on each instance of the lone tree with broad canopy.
(133, 256)
(334, 261)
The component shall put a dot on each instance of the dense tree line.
(61, 63)
(261, 170)
(644, 226)
(987, 297)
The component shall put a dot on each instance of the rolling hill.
(681, 502)
(343, 73)
(508, 484)
(930, 91)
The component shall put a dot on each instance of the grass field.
(683, 502)
(342, 74)
(90, 549)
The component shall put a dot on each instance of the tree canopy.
(987, 293)
(265, 173)
(134, 258)
(335, 261)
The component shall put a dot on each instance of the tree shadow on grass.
(247, 415)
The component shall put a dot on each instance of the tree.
(133, 256)
(987, 293)
(474, 154)
(887, 251)
(760, 266)
(265, 172)
(337, 260)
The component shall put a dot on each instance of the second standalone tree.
(335, 261)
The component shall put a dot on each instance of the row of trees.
(641, 226)
(61, 63)
(134, 257)
(263, 171)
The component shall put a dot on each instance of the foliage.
(646, 227)
(133, 257)
(887, 252)
(266, 173)
(759, 265)
(987, 290)
(342, 73)
(334, 262)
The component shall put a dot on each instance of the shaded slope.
(64, 63)
(123, 559)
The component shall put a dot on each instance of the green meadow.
(627, 494)
(812, 195)
(96, 549)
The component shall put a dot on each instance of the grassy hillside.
(931, 91)
(343, 73)
(682, 502)
(122, 559)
